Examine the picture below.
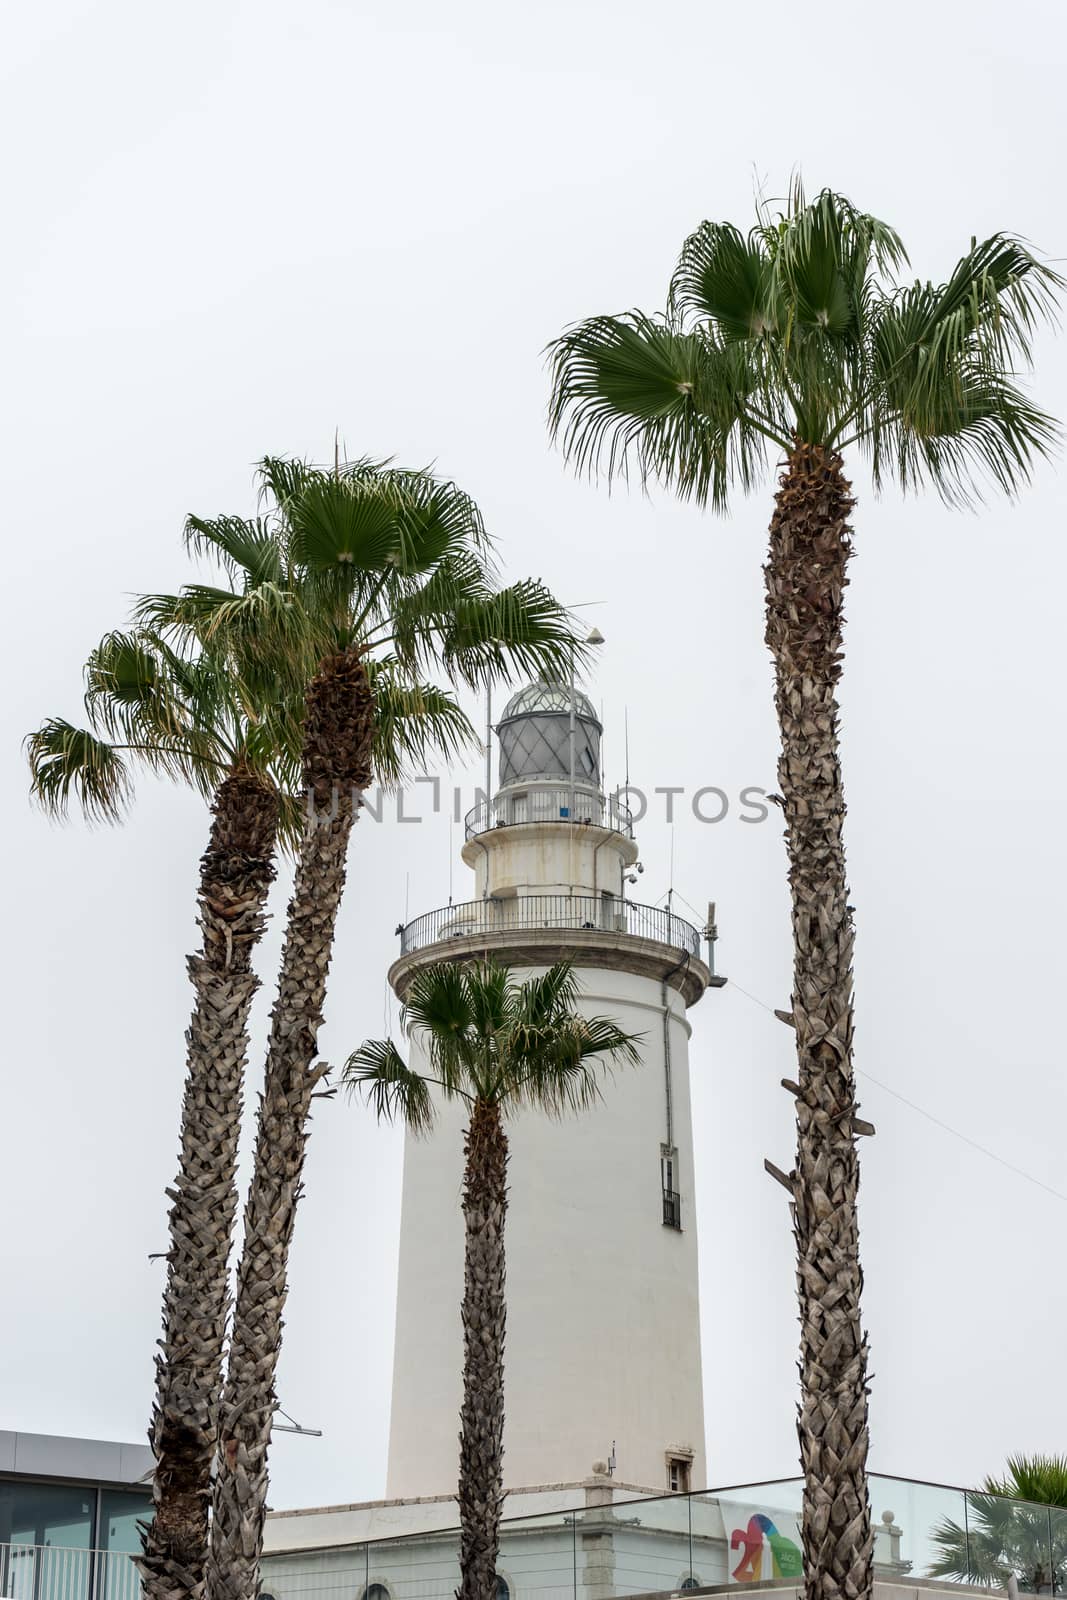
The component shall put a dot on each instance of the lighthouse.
(602, 1353)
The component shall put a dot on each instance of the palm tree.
(227, 729)
(385, 573)
(500, 1047)
(795, 338)
(1015, 1527)
(185, 719)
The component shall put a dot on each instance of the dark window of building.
(121, 1513)
(690, 1582)
(502, 1590)
(376, 1591)
(678, 1474)
(47, 1514)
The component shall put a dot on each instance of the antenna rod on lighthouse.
(488, 751)
(570, 798)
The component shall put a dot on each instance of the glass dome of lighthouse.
(534, 736)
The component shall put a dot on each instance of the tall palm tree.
(795, 339)
(500, 1047)
(189, 720)
(386, 573)
(229, 729)
(1014, 1527)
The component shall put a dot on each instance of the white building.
(603, 1332)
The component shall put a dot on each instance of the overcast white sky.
(232, 228)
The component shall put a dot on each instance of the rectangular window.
(678, 1474)
(46, 1537)
(121, 1510)
(672, 1200)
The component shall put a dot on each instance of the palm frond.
(831, 222)
(1039, 1478)
(292, 820)
(438, 1007)
(265, 627)
(378, 1073)
(246, 548)
(727, 278)
(943, 413)
(994, 301)
(414, 723)
(66, 761)
(281, 479)
(677, 405)
(437, 521)
(521, 629)
(550, 995)
(556, 1051)
(344, 522)
(127, 688)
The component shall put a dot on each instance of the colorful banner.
(762, 1543)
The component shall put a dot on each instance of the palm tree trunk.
(235, 877)
(805, 580)
(481, 1437)
(338, 733)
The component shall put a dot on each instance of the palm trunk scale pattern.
(810, 544)
(236, 874)
(339, 730)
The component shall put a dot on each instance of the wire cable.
(938, 1122)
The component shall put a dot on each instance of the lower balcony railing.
(55, 1572)
(559, 912)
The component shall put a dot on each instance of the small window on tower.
(672, 1200)
(678, 1474)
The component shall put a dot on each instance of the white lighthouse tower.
(603, 1319)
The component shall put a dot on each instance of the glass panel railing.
(908, 1520)
(412, 1569)
(310, 1574)
(616, 1544)
(1005, 1540)
(760, 1537)
(635, 1547)
(1058, 1544)
(539, 1558)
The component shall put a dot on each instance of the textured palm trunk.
(481, 1436)
(338, 732)
(235, 877)
(806, 577)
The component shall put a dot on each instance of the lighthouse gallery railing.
(549, 802)
(558, 912)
